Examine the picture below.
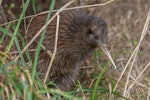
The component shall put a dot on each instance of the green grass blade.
(41, 39)
(33, 6)
(97, 83)
(18, 24)
(23, 45)
(65, 95)
(16, 41)
(3, 37)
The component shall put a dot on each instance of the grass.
(129, 81)
(97, 83)
(18, 24)
(41, 39)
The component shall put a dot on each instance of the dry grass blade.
(133, 55)
(5, 89)
(139, 76)
(29, 77)
(148, 96)
(108, 55)
(0, 2)
(139, 84)
(53, 55)
(45, 12)
(87, 6)
(55, 49)
(39, 32)
(13, 91)
(47, 93)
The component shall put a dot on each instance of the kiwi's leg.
(66, 80)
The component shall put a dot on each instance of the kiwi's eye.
(89, 31)
(96, 37)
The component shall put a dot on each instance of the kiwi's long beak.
(104, 48)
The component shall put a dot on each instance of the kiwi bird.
(79, 34)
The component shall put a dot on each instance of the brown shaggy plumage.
(79, 34)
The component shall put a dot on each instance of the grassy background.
(125, 19)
